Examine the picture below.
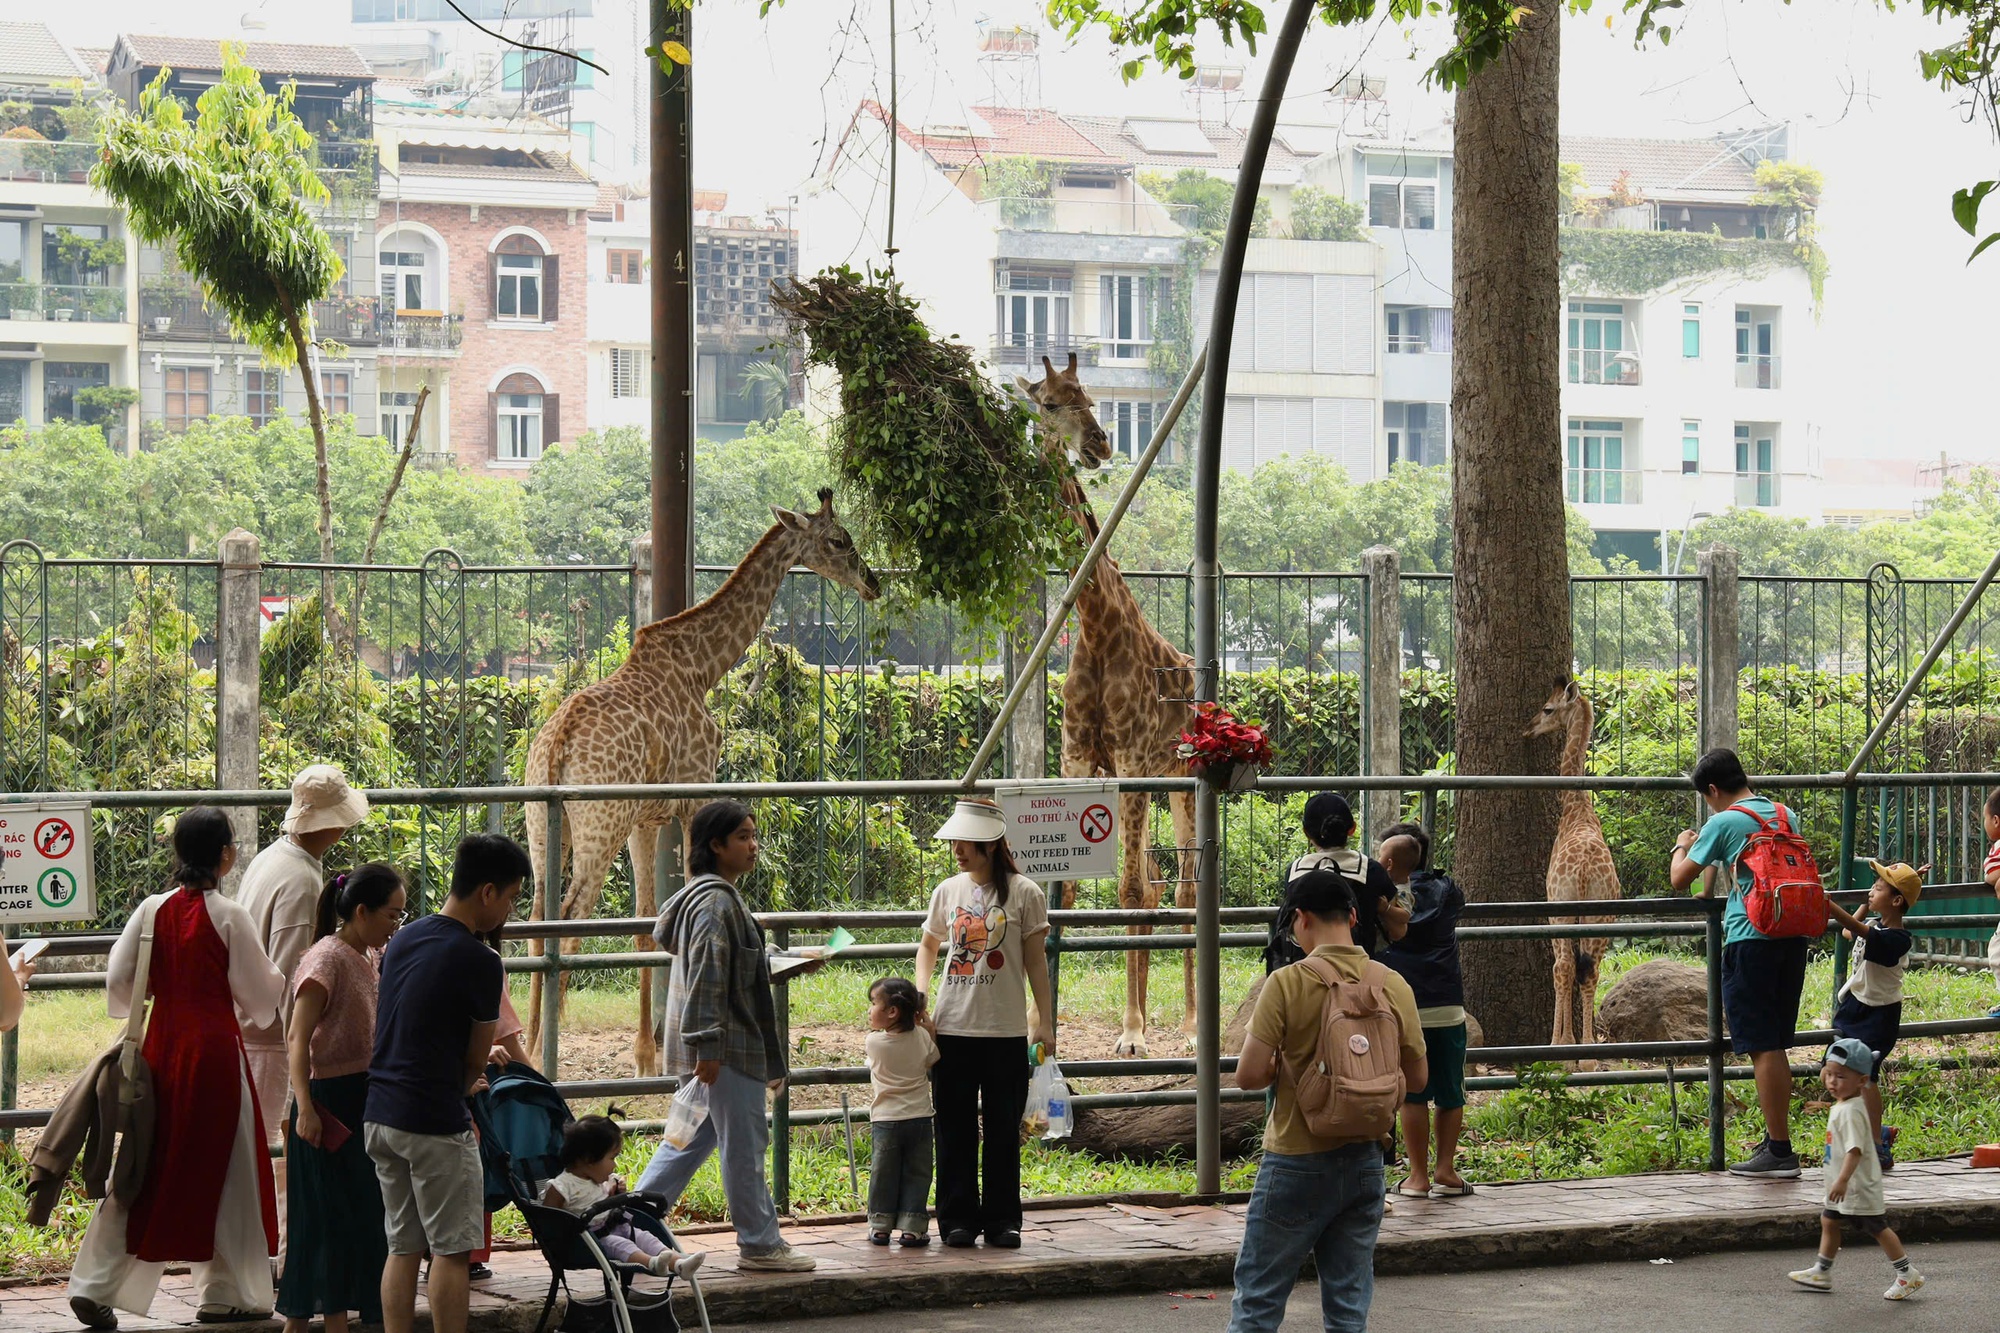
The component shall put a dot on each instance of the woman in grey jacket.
(721, 1028)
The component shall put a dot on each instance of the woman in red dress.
(207, 1199)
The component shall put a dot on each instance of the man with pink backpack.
(1776, 909)
(1338, 1035)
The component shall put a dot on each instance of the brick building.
(481, 258)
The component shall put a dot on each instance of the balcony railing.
(62, 303)
(1408, 343)
(353, 320)
(1595, 486)
(1590, 365)
(401, 331)
(48, 163)
(1102, 217)
(1756, 490)
(1026, 350)
(1755, 371)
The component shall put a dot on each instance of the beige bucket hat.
(322, 799)
(974, 821)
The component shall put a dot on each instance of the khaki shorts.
(433, 1190)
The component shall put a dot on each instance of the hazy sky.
(1908, 339)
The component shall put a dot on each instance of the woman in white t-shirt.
(991, 922)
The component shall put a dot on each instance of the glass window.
(187, 395)
(631, 373)
(62, 379)
(336, 392)
(13, 391)
(1385, 204)
(1419, 207)
(520, 294)
(585, 77)
(520, 427)
(263, 395)
(1690, 331)
(70, 253)
(1597, 471)
(13, 249)
(1125, 316)
(626, 266)
(397, 408)
(402, 278)
(1129, 424)
(1690, 447)
(1756, 466)
(1596, 342)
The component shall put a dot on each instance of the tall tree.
(229, 193)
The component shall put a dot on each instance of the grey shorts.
(433, 1190)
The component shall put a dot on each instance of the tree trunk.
(1510, 596)
(302, 343)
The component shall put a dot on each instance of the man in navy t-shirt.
(434, 1023)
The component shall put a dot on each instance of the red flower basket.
(1223, 750)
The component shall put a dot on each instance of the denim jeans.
(736, 1126)
(899, 1176)
(1324, 1205)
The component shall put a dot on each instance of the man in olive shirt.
(1314, 1196)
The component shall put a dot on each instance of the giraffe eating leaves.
(648, 722)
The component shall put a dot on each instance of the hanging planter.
(938, 468)
(1223, 751)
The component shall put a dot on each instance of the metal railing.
(1022, 349)
(1644, 917)
(1591, 365)
(64, 303)
(401, 331)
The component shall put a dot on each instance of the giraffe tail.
(1586, 963)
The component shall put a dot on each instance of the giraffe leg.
(1590, 954)
(590, 858)
(1565, 980)
(1186, 860)
(1134, 892)
(538, 816)
(642, 847)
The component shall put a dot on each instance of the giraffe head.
(1064, 406)
(1557, 709)
(822, 545)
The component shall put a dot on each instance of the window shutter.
(493, 285)
(551, 284)
(551, 419)
(493, 424)
(1107, 307)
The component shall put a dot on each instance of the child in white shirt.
(900, 1054)
(589, 1176)
(1853, 1175)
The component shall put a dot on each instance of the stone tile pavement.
(1074, 1249)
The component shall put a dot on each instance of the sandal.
(1408, 1193)
(1440, 1190)
(913, 1240)
(229, 1314)
(878, 1238)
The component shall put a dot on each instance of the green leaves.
(1965, 211)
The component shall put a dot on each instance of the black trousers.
(975, 1079)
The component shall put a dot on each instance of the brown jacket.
(87, 1123)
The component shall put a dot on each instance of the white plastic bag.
(1048, 1114)
(686, 1113)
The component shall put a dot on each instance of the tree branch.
(389, 495)
(525, 46)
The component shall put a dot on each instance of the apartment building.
(68, 264)
(746, 368)
(191, 362)
(480, 254)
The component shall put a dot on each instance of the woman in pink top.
(338, 1242)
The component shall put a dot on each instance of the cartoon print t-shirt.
(983, 983)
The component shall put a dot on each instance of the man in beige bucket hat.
(281, 890)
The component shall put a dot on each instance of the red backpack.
(1785, 898)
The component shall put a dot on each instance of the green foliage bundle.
(1209, 198)
(1609, 262)
(1321, 215)
(937, 465)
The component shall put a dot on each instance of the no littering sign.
(45, 865)
(1066, 831)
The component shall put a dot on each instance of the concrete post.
(1382, 674)
(1027, 730)
(239, 696)
(1720, 652)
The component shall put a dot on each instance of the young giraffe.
(648, 722)
(1115, 724)
(1580, 864)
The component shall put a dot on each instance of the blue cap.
(1852, 1053)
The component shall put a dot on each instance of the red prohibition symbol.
(1095, 823)
(54, 838)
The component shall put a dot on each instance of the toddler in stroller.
(589, 1176)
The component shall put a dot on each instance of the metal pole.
(1026, 673)
(781, 1105)
(552, 980)
(1931, 655)
(1850, 816)
(673, 407)
(1206, 589)
(1717, 1152)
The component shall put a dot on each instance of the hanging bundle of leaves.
(939, 470)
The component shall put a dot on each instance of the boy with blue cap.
(1853, 1175)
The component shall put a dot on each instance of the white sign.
(45, 865)
(272, 610)
(1063, 832)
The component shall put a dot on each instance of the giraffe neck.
(1106, 600)
(711, 636)
(1577, 804)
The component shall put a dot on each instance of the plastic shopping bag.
(1048, 1113)
(686, 1113)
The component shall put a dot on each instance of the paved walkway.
(1096, 1248)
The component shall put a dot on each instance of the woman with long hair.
(990, 921)
(207, 1198)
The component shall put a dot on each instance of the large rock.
(1656, 1001)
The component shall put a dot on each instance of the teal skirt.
(336, 1245)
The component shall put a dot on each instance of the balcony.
(1754, 371)
(1756, 490)
(48, 163)
(1102, 217)
(420, 332)
(63, 304)
(1026, 350)
(1590, 365)
(352, 320)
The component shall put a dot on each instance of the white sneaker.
(1815, 1278)
(1904, 1287)
(784, 1259)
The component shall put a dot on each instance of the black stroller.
(521, 1118)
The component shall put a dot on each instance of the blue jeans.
(1325, 1205)
(737, 1127)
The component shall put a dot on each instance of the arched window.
(525, 419)
(410, 272)
(525, 281)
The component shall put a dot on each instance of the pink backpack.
(1354, 1084)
